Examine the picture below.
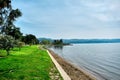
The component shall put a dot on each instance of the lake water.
(101, 60)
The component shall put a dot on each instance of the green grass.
(30, 63)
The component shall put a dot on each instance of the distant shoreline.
(71, 70)
(84, 41)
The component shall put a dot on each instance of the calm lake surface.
(101, 60)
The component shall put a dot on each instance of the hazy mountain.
(91, 40)
(75, 41)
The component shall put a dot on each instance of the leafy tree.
(58, 42)
(7, 28)
(30, 39)
(18, 44)
(14, 32)
(6, 43)
(7, 16)
(45, 42)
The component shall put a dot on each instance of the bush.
(45, 42)
(6, 43)
(20, 44)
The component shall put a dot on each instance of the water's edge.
(100, 60)
(89, 74)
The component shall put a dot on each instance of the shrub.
(6, 43)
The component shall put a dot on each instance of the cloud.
(70, 18)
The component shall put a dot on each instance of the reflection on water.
(58, 47)
(99, 59)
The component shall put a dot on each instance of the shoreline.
(73, 71)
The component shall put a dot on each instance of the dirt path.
(73, 72)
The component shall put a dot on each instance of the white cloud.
(102, 17)
(71, 18)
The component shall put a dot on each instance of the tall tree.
(7, 16)
(14, 32)
(7, 27)
(5, 9)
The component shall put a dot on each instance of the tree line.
(56, 42)
(10, 35)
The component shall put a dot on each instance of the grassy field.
(30, 63)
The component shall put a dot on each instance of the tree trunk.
(7, 52)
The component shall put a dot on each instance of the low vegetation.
(30, 63)
(58, 42)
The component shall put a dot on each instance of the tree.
(58, 42)
(7, 16)
(5, 3)
(6, 43)
(45, 42)
(5, 8)
(7, 28)
(30, 39)
(14, 32)
(18, 44)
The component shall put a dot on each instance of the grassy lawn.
(30, 63)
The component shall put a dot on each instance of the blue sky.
(69, 18)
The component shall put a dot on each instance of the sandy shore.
(71, 70)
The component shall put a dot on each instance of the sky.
(81, 19)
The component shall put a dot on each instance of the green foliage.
(5, 3)
(45, 42)
(19, 44)
(12, 31)
(8, 31)
(30, 39)
(14, 14)
(7, 17)
(5, 8)
(7, 14)
(58, 42)
(6, 43)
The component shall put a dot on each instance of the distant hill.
(91, 41)
(40, 39)
(76, 41)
